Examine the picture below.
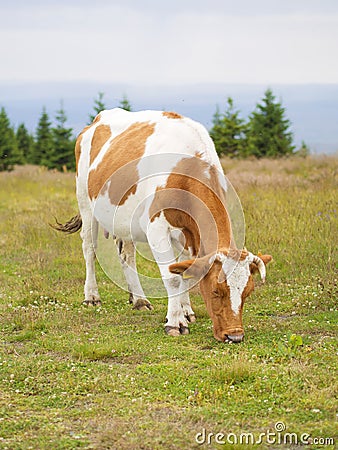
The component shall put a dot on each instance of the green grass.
(109, 378)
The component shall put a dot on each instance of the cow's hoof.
(184, 330)
(143, 305)
(191, 318)
(92, 302)
(172, 331)
(176, 331)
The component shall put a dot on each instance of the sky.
(184, 55)
(160, 42)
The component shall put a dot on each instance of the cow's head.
(225, 282)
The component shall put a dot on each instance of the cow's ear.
(191, 268)
(265, 258)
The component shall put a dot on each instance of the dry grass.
(280, 173)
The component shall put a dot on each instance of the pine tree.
(228, 131)
(98, 106)
(9, 152)
(216, 131)
(217, 118)
(25, 142)
(43, 148)
(268, 134)
(63, 156)
(303, 151)
(124, 103)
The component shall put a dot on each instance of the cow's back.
(124, 157)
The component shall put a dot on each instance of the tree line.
(265, 134)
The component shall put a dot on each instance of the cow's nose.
(235, 338)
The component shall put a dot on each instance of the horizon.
(311, 108)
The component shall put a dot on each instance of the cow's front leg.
(185, 297)
(176, 320)
(185, 302)
(160, 244)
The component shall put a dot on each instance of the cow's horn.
(260, 264)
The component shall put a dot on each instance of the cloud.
(177, 42)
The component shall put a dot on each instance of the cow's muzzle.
(234, 338)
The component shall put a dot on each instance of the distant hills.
(312, 109)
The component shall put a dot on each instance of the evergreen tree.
(43, 148)
(124, 103)
(228, 131)
(303, 151)
(63, 155)
(216, 131)
(9, 152)
(98, 106)
(25, 142)
(268, 134)
(217, 118)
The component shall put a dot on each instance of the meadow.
(109, 378)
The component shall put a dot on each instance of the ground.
(109, 378)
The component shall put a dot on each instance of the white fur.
(237, 280)
(237, 274)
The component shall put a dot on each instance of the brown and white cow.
(155, 177)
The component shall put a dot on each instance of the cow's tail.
(72, 226)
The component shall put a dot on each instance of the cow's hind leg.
(89, 242)
(127, 256)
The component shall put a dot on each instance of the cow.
(155, 177)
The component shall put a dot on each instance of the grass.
(108, 378)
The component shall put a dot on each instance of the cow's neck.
(194, 201)
(213, 233)
(211, 229)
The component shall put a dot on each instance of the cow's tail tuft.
(72, 226)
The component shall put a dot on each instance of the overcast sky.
(169, 42)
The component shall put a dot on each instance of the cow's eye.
(216, 293)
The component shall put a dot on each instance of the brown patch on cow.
(78, 151)
(199, 155)
(172, 115)
(97, 118)
(101, 135)
(78, 146)
(195, 202)
(125, 150)
(190, 242)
